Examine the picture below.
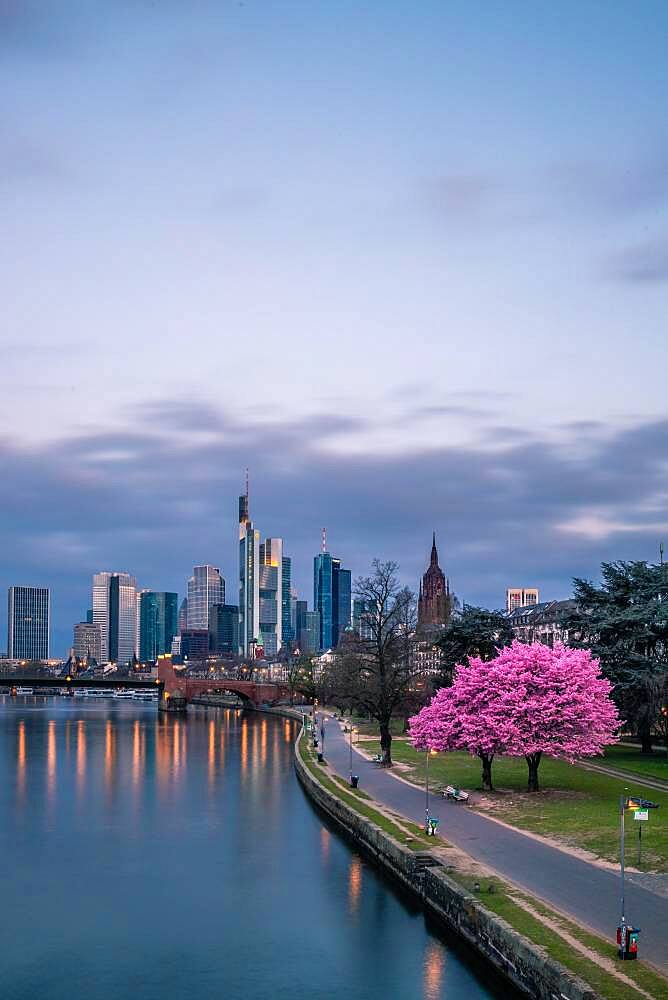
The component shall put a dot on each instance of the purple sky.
(408, 262)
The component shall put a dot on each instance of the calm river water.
(158, 858)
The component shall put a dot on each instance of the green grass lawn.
(630, 759)
(502, 903)
(580, 808)
(354, 798)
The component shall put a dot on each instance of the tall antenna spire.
(247, 482)
(324, 539)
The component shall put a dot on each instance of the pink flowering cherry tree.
(465, 717)
(529, 700)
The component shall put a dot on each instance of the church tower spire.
(434, 603)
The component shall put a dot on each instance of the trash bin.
(627, 942)
(354, 780)
(320, 757)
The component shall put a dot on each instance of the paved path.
(589, 893)
(633, 779)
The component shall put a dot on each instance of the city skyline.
(302, 573)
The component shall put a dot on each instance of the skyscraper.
(158, 620)
(206, 587)
(115, 614)
(183, 615)
(224, 629)
(341, 600)
(86, 642)
(434, 602)
(331, 596)
(28, 623)
(271, 595)
(287, 626)
(520, 597)
(249, 581)
(322, 596)
(362, 619)
(307, 626)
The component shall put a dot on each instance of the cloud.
(155, 502)
(642, 265)
(460, 197)
(25, 160)
(614, 189)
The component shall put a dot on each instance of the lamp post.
(622, 806)
(351, 751)
(322, 734)
(426, 790)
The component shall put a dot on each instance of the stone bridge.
(173, 682)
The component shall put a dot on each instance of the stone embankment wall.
(525, 964)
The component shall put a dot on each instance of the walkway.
(589, 893)
(633, 778)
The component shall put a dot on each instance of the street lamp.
(426, 790)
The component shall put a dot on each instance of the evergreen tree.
(624, 623)
(473, 632)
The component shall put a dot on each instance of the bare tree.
(299, 677)
(373, 672)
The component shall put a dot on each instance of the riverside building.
(115, 614)
(28, 623)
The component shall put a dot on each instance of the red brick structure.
(434, 602)
(191, 687)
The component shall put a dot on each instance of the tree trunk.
(533, 760)
(385, 745)
(487, 759)
(645, 737)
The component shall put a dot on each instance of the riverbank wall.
(524, 964)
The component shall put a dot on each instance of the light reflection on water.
(184, 861)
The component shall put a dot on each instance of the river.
(154, 857)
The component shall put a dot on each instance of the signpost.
(627, 936)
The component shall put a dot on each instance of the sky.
(405, 261)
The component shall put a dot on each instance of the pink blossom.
(530, 699)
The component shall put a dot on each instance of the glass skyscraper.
(249, 581)
(331, 598)
(206, 587)
(28, 623)
(322, 596)
(271, 595)
(115, 613)
(287, 629)
(158, 623)
(224, 629)
(307, 624)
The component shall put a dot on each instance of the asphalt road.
(589, 893)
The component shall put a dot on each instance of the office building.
(520, 597)
(206, 587)
(183, 615)
(287, 624)
(194, 643)
(308, 628)
(331, 597)
(341, 600)
(361, 619)
(434, 601)
(270, 578)
(87, 644)
(249, 580)
(224, 629)
(115, 614)
(158, 620)
(28, 623)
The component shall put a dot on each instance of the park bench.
(455, 794)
